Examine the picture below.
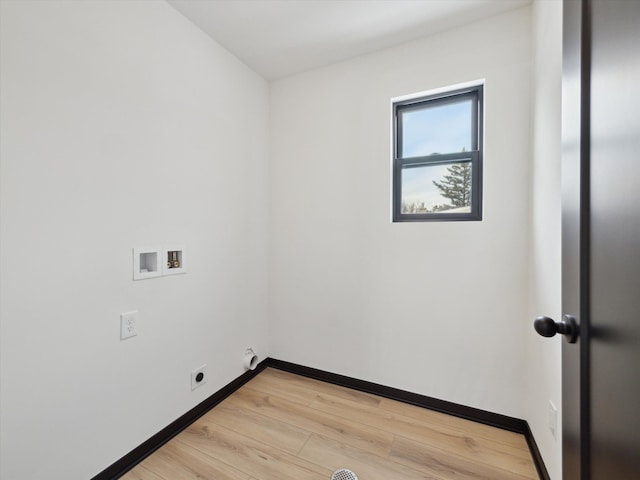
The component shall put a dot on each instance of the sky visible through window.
(437, 129)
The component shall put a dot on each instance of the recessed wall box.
(147, 262)
(174, 260)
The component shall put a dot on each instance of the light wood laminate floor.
(281, 426)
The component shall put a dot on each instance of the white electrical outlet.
(553, 418)
(198, 377)
(128, 324)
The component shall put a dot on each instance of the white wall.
(544, 355)
(434, 308)
(122, 125)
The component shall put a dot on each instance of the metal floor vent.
(344, 474)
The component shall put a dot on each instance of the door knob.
(568, 327)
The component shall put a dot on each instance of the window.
(437, 164)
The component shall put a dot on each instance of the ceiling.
(277, 38)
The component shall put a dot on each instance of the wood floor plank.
(448, 465)
(323, 387)
(277, 433)
(335, 455)
(473, 448)
(292, 391)
(140, 473)
(254, 458)
(449, 421)
(177, 461)
(352, 433)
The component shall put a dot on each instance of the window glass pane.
(439, 188)
(439, 128)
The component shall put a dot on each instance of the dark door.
(601, 239)
(575, 237)
(615, 240)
